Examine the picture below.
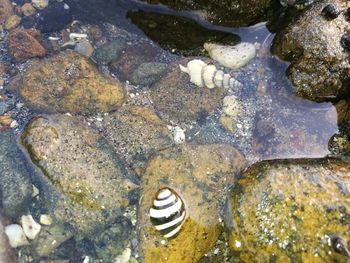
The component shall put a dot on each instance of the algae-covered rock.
(15, 182)
(87, 185)
(109, 51)
(69, 83)
(136, 133)
(148, 73)
(176, 99)
(291, 211)
(200, 175)
(320, 66)
(5, 10)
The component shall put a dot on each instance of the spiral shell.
(204, 75)
(167, 213)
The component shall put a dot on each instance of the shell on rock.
(232, 57)
(204, 75)
(168, 212)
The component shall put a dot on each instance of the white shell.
(232, 57)
(231, 106)
(30, 227)
(16, 236)
(167, 212)
(204, 75)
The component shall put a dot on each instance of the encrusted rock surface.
(320, 66)
(291, 211)
(5, 10)
(69, 83)
(201, 176)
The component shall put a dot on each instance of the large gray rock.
(320, 65)
(15, 183)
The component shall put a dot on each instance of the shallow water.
(272, 123)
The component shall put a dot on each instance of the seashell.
(204, 75)
(168, 212)
(232, 57)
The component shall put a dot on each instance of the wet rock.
(176, 31)
(28, 22)
(25, 44)
(291, 211)
(84, 48)
(40, 4)
(15, 182)
(136, 133)
(86, 184)
(55, 17)
(5, 10)
(71, 84)
(28, 9)
(176, 99)
(134, 55)
(148, 73)
(109, 51)
(6, 252)
(200, 175)
(12, 22)
(320, 66)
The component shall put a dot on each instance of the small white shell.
(204, 75)
(232, 57)
(30, 227)
(167, 212)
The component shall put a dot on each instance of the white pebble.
(16, 236)
(30, 227)
(45, 220)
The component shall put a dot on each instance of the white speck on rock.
(178, 133)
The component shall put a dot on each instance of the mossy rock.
(200, 175)
(291, 211)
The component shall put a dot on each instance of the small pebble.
(40, 4)
(28, 9)
(12, 22)
(28, 22)
(84, 48)
(345, 42)
(330, 12)
(45, 220)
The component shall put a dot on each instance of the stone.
(134, 55)
(25, 44)
(40, 4)
(320, 66)
(28, 9)
(231, 106)
(54, 18)
(86, 185)
(30, 227)
(148, 73)
(16, 236)
(136, 133)
(71, 84)
(84, 48)
(200, 175)
(15, 182)
(5, 10)
(7, 254)
(177, 100)
(291, 211)
(28, 22)
(109, 51)
(12, 22)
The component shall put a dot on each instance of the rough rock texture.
(178, 100)
(5, 10)
(148, 73)
(15, 183)
(136, 133)
(320, 66)
(88, 185)
(25, 44)
(227, 12)
(69, 83)
(7, 254)
(292, 211)
(200, 175)
(109, 51)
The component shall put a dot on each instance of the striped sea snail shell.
(204, 75)
(168, 212)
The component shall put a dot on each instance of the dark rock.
(109, 51)
(345, 41)
(15, 182)
(148, 73)
(292, 209)
(320, 66)
(330, 12)
(25, 44)
(28, 22)
(54, 18)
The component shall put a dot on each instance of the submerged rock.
(5, 10)
(25, 44)
(55, 17)
(85, 184)
(201, 176)
(109, 51)
(176, 99)
(291, 211)
(320, 66)
(136, 133)
(70, 84)
(148, 73)
(15, 182)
